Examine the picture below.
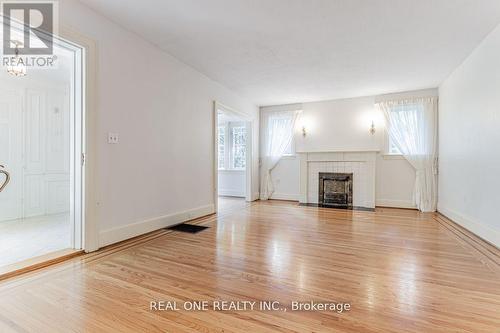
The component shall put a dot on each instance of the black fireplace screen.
(335, 189)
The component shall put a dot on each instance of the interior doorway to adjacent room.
(233, 157)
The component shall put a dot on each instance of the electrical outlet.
(113, 138)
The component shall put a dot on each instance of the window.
(239, 147)
(221, 142)
(279, 123)
(392, 149)
(231, 140)
(402, 118)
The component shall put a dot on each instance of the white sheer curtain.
(412, 127)
(278, 137)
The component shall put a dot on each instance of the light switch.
(113, 138)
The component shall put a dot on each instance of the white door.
(11, 154)
(35, 154)
(58, 153)
(47, 147)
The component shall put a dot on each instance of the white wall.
(343, 125)
(395, 181)
(469, 140)
(339, 125)
(232, 183)
(286, 179)
(162, 169)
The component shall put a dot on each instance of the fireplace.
(335, 190)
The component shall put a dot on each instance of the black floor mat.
(191, 228)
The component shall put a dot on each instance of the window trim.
(393, 157)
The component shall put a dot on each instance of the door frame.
(249, 151)
(85, 165)
(84, 143)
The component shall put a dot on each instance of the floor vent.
(190, 228)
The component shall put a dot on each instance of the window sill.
(289, 157)
(393, 157)
(232, 170)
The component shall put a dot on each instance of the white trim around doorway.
(249, 150)
(87, 168)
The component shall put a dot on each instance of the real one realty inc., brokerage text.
(220, 305)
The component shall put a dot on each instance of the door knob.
(7, 177)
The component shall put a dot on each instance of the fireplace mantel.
(360, 163)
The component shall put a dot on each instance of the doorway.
(233, 132)
(41, 146)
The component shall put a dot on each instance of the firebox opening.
(335, 190)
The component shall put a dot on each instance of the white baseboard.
(285, 196)
(231, 193)
(114, 235)
(395, 203)
(485, 232)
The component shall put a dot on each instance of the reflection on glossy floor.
(401, 271)
(27, 238)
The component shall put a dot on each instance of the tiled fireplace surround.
(360, 164)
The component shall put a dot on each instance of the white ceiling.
(286, 51)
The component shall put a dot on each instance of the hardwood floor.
(400, 271)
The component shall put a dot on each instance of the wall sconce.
(372, 128)
(303, 123)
